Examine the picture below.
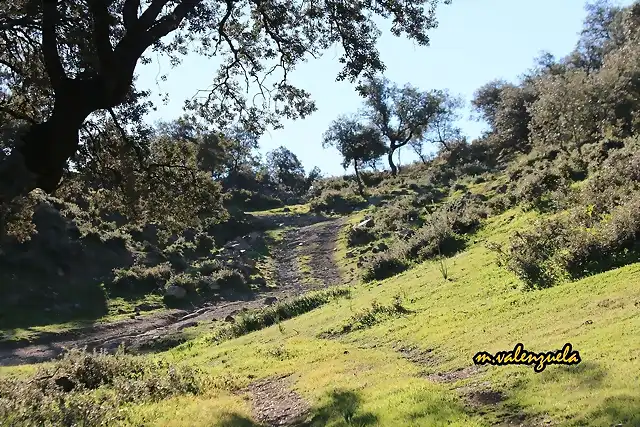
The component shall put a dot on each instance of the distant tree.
(442, 131)
(314, 175)
(505, 107)
(286, 170)
(359, 144)
(61, 62)
(601, 33)
(401, 114)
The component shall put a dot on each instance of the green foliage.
(386, 264)
(92, 389)
(259, 319)
(368, 317)
(332, 201)
(140, 279)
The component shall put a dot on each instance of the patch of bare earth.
(316, 243)
(275, 404)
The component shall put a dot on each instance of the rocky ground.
(312, 238)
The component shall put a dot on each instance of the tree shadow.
(34, 301)
(588, 374)
(619, 410)
(344, 405)
(236, 420)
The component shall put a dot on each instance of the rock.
(229, 319)
(281, 224)
(188, 325)
(270, 300)
(176, 291)
(375, 250)
(237, 245)
(367, 223)
(350, 254)
(147, 307)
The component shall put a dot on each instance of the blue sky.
(476, 41)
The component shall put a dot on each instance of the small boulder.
(270, 300)
(188, 325)
(147, 307)
(367, 223)
(229, 319)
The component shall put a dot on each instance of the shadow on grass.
(619, 410)
(344, 405)
(588, 374)
(236, 420)
(34, 303)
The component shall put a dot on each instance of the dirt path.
(313, 237)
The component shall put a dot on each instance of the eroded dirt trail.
(312, 238)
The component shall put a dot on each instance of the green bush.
(141, 279)
(357, 236)
(229, 279)
(87, 389)
(575, 245)
(333, 201)
(386, 264)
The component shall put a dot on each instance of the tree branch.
(170, 22)
(130, 13)
(148, 17)
(50, 53)
(18, 115)
(101, 29)
(125, 138)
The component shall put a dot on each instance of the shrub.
(259, 319)
(141, 279)
(333, 201)
(386, 264)
(204, 244)
(368, 317)
(228, 278)
(357, 236)
(574, 246)
(92, 389)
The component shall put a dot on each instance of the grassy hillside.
(414, 366)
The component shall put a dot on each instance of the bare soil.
(275, 404)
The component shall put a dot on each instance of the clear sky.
(476, 41)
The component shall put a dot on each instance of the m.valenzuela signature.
(519, 356)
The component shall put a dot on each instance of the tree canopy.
(64, 64)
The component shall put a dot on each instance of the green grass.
(287, 210)
(361, 376)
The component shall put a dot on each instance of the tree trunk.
(394, 169)
(45, 149)
(358, 179)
